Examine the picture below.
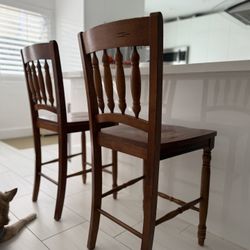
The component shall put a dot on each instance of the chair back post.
(155, 86)
(58, 81)
(90, 90)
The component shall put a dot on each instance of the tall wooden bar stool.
(146, 138)
(48, 111)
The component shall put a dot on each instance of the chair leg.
(69, 146)
(38, 155)
(62, 176)
(96, 195)
(144, 184)
(205, 183)
(84, 157)
(150, 205)
(114, 171)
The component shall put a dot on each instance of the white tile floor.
(16, 170)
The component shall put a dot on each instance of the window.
(19, 28)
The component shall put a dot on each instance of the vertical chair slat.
(108, 81)
(136, 82)
(48, 83)
(35, 82)
(41, 82)
(30, 82)
(120, 80)
(98, 82)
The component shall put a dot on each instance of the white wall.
(14, 108)
(69, 21)
(73, 18)
(110, 10)
(30, 4)
(214, 37)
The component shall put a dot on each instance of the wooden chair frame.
(153, 142)
(46, 92)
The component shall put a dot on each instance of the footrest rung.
(107, 171)
(57, 159)
(116, 189)
(74, 155)
(122, 224)
(177, 201)
(107, 165)
(179, 210)
(48, 178)
(79, 173)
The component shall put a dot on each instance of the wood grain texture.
(123, 33)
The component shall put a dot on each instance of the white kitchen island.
(212, 96)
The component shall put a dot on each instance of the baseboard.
(15, 132)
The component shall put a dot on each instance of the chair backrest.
(44, 80)
(144, 31)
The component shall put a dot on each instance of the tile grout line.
(27, 227)
(53, 235)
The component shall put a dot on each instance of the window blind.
(19, 28)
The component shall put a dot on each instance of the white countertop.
(213, 67)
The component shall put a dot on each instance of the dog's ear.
(9, 195)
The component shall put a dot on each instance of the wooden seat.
(48, 111)
(174, 140)
(145, 138)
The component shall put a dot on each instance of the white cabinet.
(211, 38)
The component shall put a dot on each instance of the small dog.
(7, 232)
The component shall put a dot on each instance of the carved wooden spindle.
(48, 83)
(35, 82)
(98, 82)
(108, 81)
(30, 81)
(41, 82)
(136, 82)
(120, 80)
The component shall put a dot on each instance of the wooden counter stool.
(48, 111)
(147, 138)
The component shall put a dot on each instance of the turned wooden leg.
(114, 172)
(38, 155)
(144, 184)
(96, 195)
(62, 176)
(205, 183)
(150, 205)
(84, 157)
(69, 146)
